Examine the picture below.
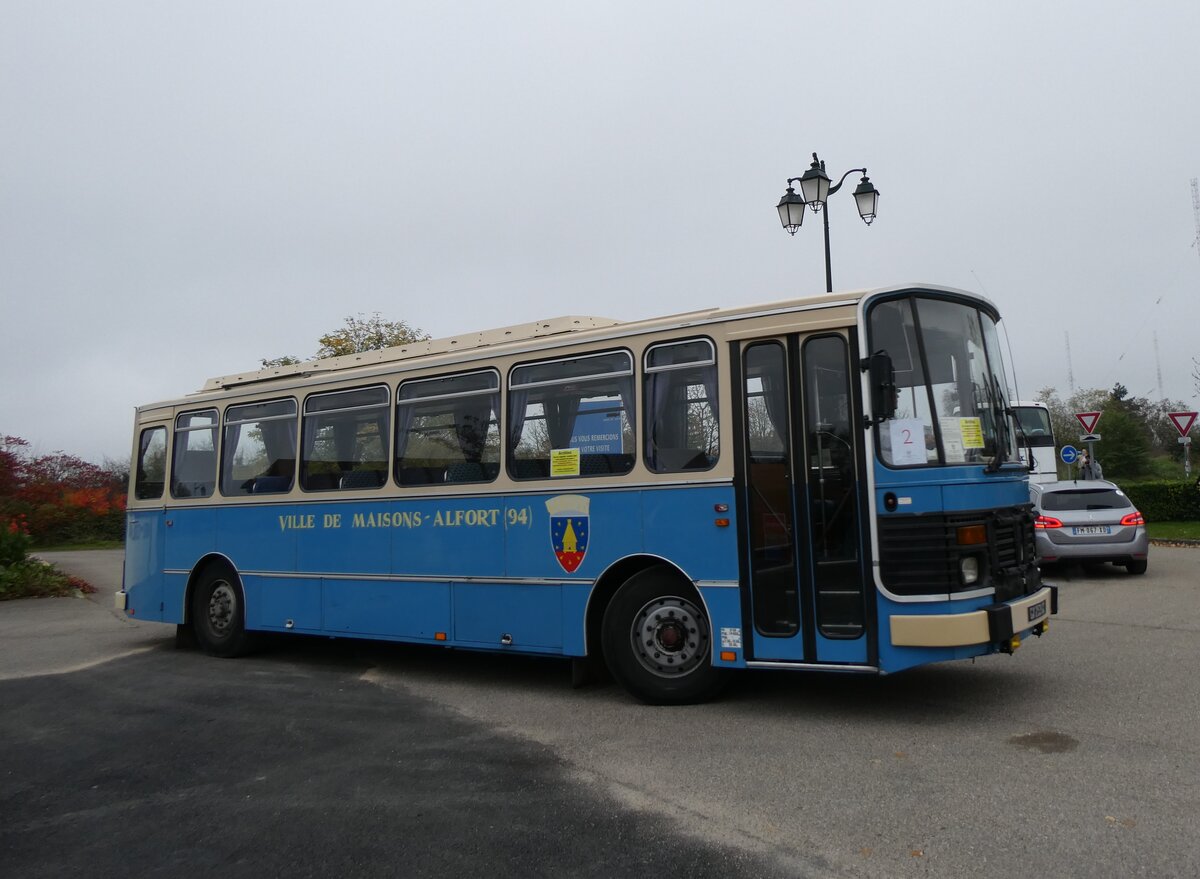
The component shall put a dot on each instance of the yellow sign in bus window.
(972, 433)
(564, 462)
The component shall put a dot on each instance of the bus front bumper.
(997, 624)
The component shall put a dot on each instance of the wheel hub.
(670, 637)
(220, 608)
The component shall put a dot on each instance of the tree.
(1125, 448)
(1162, 434)
(285, 360)
(61, 497)
(368, 334)
(360, 334)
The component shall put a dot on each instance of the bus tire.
(219, 613)
(658, 642)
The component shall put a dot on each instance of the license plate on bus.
(1081, 530)
(1037, 611)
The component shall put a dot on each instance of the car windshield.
(950, 383)
(1084, 499)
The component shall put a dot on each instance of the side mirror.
(882, 379)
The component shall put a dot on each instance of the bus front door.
(802, 531)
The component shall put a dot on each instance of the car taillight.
(1134, 518)
(1047, 522)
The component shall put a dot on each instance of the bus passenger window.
(345, 440)
(259, 449)
(681, 407)
(447, 429)
(577, 412)
(194, 460)
(151, 464)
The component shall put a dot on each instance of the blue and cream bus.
(828, 483)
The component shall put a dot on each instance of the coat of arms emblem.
(569, 527)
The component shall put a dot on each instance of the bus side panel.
(283, 604)
(613, 531)
(724, 606)
(191, 534)
(451, 537)
(377, 539)
(496, 615)
(342, 539)
(681, 526)
(412, 611)
(144, 564)
(260, 539)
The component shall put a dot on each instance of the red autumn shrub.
(62, 497)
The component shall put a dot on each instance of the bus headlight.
(970, 569)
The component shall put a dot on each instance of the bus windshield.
(950, 384)
(1035, 425)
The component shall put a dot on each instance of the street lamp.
(815, 189)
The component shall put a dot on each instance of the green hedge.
(1165, 501)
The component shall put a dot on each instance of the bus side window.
(681, 407)
(345, 440)
(581, 408)
(151, 464)
(194, 459)
(447, 429)
(259, 448)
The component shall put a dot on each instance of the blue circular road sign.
(1069, 454)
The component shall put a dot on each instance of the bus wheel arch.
(655, 633)
(215, 607)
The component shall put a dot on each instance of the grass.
(1174, 530)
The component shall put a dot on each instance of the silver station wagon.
(1090, 521)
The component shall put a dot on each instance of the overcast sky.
(187, 187)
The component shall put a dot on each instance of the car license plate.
(1037, 611)
(1091, 529)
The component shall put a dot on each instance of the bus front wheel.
(658, 642)
(219, 613)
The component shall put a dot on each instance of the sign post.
(1088, 421)
(1183, 422)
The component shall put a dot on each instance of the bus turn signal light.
(971, 535)
(439, 636)
(728, 656)
(722, 523)
(1047, 522)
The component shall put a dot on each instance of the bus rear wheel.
(219, 613)
(658, 642)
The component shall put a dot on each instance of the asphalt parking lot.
(1079, 756)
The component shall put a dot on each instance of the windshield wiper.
(1000, 414)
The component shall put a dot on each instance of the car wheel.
(1136, 566)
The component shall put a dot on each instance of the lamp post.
(815, 191)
